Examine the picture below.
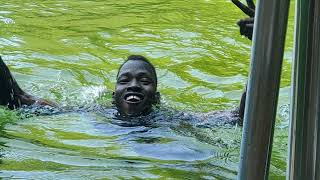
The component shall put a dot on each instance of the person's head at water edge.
(136, 87)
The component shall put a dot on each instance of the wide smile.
(133, 98)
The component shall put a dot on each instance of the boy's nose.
(134, 86)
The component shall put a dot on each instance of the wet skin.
(136, 89)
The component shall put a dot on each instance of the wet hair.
(140, 58)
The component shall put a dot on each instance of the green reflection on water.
(69, 52)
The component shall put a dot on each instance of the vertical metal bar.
(304, 148)
(316, 48)
(263, 88)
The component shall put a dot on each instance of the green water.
(69, 52)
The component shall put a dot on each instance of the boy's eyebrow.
(127, 74)
(123, 74)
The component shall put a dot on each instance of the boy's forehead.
(134, 65)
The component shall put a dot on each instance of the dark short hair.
(140, 58)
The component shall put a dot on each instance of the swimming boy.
(134, 95)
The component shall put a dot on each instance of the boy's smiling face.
(136, 88)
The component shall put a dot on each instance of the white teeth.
(133, 97)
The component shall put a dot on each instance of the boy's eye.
(145, 81)
(123, 81)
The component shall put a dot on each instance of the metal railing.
(269, 34)
(304, 143)
(263, 89)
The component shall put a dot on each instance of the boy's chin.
(135, 112)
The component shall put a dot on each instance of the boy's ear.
(113, 98)
(157, 98)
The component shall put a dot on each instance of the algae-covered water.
(69, 52)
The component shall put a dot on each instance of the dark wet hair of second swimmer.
(144, 59)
